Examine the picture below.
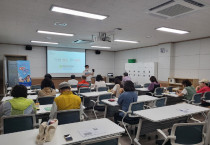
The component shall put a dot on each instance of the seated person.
(124, 100)
(73, 81)
(188, 90)
(83, 83)
(203, 86)
(125, 77)
(50, 77)
(154, 84)
(118, 88)
(47, 90)
(99, 82)
(66, 101)
(19, 105)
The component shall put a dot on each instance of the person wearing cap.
(66, 101)
(203, 86)
(88, 73)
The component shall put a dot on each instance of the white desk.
(167, 113)
(110, 84)
(142, 89)
(171, 94)
(43, 109)
(108, 128)
(75, 89)
(33, 97)
(94, 94)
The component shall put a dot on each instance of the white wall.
(103, 63)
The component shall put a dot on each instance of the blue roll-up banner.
(24, 73)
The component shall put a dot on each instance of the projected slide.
(59, 62)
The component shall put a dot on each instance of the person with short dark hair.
(88, 73)
(118, 88)
(19, 105)
(153, 83)
(50, 77)
(73, 81)
(125, 77)
(47, 90)
(188, 90)
(125, 99)
(83, 83)
(99, 82)
(66, 101)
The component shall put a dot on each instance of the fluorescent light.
(44, 42)
(172, 30)
(126, 41)
(77, 13)
(54, 33)
(101, 47)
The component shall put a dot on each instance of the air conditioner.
(174, 8)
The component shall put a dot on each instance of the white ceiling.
(20, 19)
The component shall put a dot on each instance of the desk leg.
(83, 101)
(139, 130)
(105, 112)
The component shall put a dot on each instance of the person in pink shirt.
(203, 86)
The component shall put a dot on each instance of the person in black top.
(50, 77)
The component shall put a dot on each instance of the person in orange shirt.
(83, 83)
(66, 101)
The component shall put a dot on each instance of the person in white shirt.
(99, 82)
(73, 81)
(118, 88)
(88, 73)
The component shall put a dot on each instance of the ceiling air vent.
(175, 8)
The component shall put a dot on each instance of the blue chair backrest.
(137, 106)
(170, 89)
(189, 134)
(33, 87)
(84, 90)
(68, 116)
(105, 96)
(18, 123)
(197, 98)
(207, 95)
(160, 102)
(100, 89)
(146, 85)
(138, 86)
(159, 91)
(46, 100)
(73, 86)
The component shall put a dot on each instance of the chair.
(99, 105)
(138, 86)
(183, 134)
(170, 89)
(206, 96)
(84, 90)
(135, 106)
(196, 99)
(111, 140)
(158, 92)
(68, 116)
(160, 102)
(46, 100)
(35, 87)
(17, 123)
(73, 86)
(100, 89)
(146, 85)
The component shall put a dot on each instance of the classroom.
(105, 72)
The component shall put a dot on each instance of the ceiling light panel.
(170, 30)
(43, 42)
(54, 33)
(105, 47)
(125, 41)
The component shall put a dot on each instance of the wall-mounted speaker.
(98, 52)
(28, 47)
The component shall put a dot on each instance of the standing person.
(66, 101)
(118, 88)
(50, 77)
(188, 90)
(73, 81)
(88, 73)
(47, 90)
(154, 84)
(125, 77)
(125, 99)
(19, 105)
(99, 82)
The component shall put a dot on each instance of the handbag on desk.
(46, 131)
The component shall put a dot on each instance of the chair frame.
(83, 88)
(192, 100)
(16, 116)
(45, 97)
(160, 99)
(101, 87)
(172, 137)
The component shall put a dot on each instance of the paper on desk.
(91, 131)
(47, 108)
(184, 110)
